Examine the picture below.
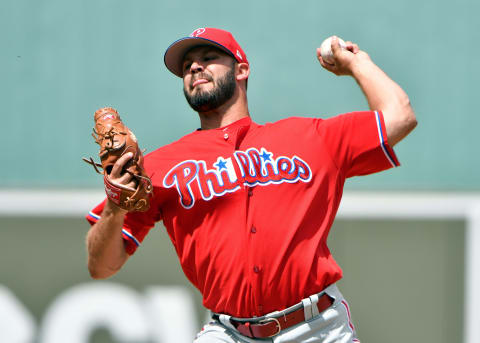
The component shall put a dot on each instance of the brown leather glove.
(115, 140)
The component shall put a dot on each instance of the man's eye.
(187, 66)
(209, 58)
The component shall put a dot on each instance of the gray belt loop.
(225, 320)
(307, 309)
(314, 300)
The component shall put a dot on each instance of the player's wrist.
(362, 68)
(112, 209)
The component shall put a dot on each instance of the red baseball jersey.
(249, 207)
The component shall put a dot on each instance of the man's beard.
(204, 101)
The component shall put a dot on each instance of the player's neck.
(228, 113)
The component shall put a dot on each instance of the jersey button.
(225, 136)
(250, 192)
(256, 269)
(253, 229)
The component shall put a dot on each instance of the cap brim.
(173, 57)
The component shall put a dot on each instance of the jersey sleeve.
(358, 142)
(136, 224)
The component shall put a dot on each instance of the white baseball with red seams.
(326, 49)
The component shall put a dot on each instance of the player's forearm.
(106, 251)
(383, 94)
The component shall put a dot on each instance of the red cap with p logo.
(218, 38)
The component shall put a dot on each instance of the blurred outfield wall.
(403, 268)
(61, 60)
(408, 277)
(389, 288)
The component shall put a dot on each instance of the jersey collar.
(247, 121)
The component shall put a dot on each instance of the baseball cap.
(218, 38)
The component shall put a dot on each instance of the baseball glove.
(115, 140)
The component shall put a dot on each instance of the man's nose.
(196, 67)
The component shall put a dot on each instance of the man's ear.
(243, 71)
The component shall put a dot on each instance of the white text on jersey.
(249, 168)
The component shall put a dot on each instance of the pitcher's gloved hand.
(126, 183)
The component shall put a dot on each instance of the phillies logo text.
(249, 168)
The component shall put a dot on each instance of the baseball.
(326, 49)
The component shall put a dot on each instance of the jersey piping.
(125, 233)
(382, 141)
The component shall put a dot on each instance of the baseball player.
(249, 207)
